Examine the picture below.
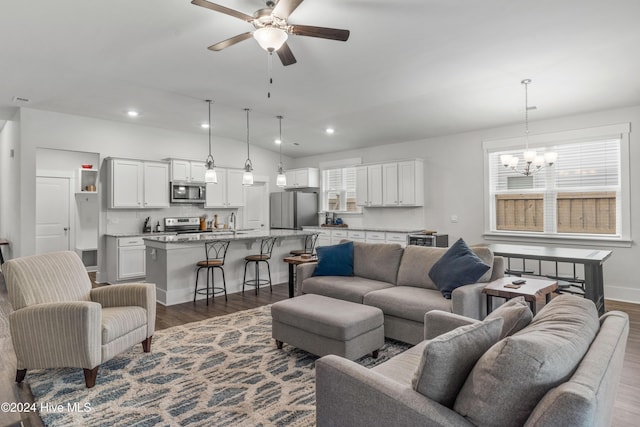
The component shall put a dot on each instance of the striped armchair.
(59, 321)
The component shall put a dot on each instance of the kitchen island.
(171, 260)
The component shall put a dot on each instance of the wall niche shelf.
(87, 181)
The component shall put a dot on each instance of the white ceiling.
(411, 69)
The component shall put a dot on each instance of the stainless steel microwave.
(186, 192)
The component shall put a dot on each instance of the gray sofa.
(396, 280)
(561, 369)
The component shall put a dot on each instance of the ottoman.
(322, 325)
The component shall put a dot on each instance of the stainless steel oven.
(186, 192)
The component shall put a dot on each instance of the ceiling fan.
(271, 28)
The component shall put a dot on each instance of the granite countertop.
(227, 235)
(380, 229)
(159, 233)
(169, 233)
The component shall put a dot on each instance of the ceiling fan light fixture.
(270, 38)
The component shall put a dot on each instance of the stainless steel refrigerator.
(293, 209)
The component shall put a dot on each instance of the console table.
(591, 259)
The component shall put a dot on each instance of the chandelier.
(533, 162)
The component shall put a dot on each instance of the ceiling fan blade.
(230, 42)
(285, 55)
(222, 9)
(284, 8)
(320, 32)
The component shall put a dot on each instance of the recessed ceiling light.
(204, 125)
(132, 113)
(330, 131)
(277, 141)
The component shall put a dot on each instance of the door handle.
(66, 228)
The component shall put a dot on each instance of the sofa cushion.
(407, 302)
(352, 288)
(457, 267)
(377, 261)
(402, 367)
(486, 255)
(416, 264)
(335, 260)
(516, 314)
(511, 377)
(447, 360)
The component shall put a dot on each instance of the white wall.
(49, 130)
(10, 185)
(454, 168)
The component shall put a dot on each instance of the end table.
(532, 291)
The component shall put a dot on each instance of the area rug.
(224, 371)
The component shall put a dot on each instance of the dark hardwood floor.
(627, 404)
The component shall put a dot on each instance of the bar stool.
(266, 247)
(215, 251)
(309, 245)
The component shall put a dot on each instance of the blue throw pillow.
(336, 260)
(457, 267)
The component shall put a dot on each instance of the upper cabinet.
(411, 183)
(302, 178)
(228, 192)
(369, 185)
(187, 171)
(138, 184)
(390, 184)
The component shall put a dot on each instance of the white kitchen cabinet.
(324, 236)
(390, 184)
(411, 183)
(228, 192)
(138, 184)
(395, 237)
(302, 178)
(375, 237)
(126, 183)
(125, 258)
(156, 185)
(356, 236)
(187, 171)
(338, 235)
(369, 185)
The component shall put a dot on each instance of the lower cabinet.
(125, 258)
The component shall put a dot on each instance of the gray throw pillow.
(447, 360)
(516, 314)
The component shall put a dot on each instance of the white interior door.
(52, 214)
(256, 209)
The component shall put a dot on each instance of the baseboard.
(620, 293)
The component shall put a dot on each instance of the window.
(339, 190)
(581, 195)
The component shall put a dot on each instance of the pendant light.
(281, 179)
(247, 177)
(533, 162)
(210, 175)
